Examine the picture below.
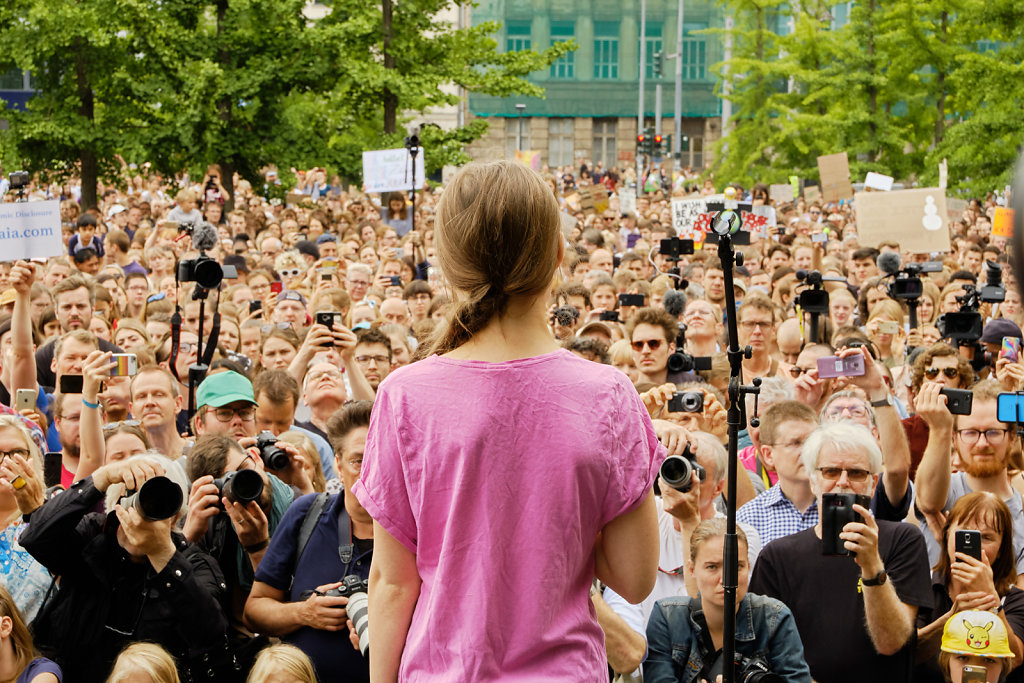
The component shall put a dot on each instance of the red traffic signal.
(640, 139)
(657, 139)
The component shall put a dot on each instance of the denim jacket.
(764, 626)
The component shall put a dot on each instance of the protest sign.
(781, 193)
(1002, 222)
(834, 170)
(943, 174)
(689, 218)
(529, 157)
(794, 181)
(594, 198)
(955, 208)
(389, 170)
(627, 200)
(914, 218)
(812, 193)
(31, 230)
(877, 181)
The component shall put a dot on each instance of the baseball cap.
(974, 632)
(114, 210)
(308, 248)
(999, 328)
(291, 295)
(223, 388)
(596, 326)
(8, 297)
(326, 237)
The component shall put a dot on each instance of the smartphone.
(834, 366)
(631, 300)
(52, 463)
(71, 384)
(968, 542)
(1010, 408)
(329, 263)
(1010, 349)
(25, 399)
(276, 287)
(837, 512)
(610, 316)
(958, 401)
(974, 674)
(396, 281)
(819, 237)
(256, 305)
(327, 318)
(124, 365)
(888, 327)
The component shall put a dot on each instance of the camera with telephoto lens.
(748, 670)
(680, 361)
(240, 486)
(273, 457)
(204, 271)
(354, 588)
(158, 498)
(677, 470)
(566, 316)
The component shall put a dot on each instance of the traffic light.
(658, 149)
(641, 144)
(645, 142)
(659, 61)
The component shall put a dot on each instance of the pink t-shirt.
(499, 476)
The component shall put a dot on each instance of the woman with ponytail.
(503, 473)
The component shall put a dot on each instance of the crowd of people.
(251, 395)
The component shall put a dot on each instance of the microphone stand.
(412, 143)
(737, 391)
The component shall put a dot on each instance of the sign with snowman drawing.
(917, 219)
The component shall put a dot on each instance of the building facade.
(590, 108)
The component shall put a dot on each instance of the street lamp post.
(519, 137)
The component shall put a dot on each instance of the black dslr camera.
(748, 670)
(274, 458)
(355, 589)
(240, 486)
(677, 470)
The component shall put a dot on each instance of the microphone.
(674, 302)
(889, 262)
(204, 236)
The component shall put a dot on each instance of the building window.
(517, 36)
(565, 66)
(604, 141)
(693, 156)
(694, 59)
(14, 80)
(652, 43)
(606, 50)
(560, 142)
(512, 135)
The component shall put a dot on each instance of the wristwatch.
(881, 403)
(879, 579)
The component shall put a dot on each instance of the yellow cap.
(976, 633)
(8, 296)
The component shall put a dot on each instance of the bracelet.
(87, 404)
(256, 547)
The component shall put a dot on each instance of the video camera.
(906, 283)
(18, 179)
(965, 326)
(680, 361)
(813, 299)
(674, 247)
(203, 270)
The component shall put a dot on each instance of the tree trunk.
(390, 100)
(940, 83)
(227, 165)
(86, 109)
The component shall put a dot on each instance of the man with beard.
(714, 282)
(373, 354)
(983, 445)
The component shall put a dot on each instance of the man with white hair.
(856, 612)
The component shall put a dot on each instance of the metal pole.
(657, 108)
(640, 105)
(726, 85)
(520, 108)
(677, 138)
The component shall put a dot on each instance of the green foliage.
(901, 85)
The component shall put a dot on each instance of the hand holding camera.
(324, 611)
(203, 504)
(930, 405)
(152, 538)
(130, 473)
(857, 535)
(1010, 374)
(95, 370)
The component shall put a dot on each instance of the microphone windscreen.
(204, 236)
(889, 262)
(674, 302)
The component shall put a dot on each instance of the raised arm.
(23, 369)
(933, 474)
(94, 448)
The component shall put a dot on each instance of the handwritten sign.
(31, 230)
(781, 193)
(917, 218)
(812, 193)
(834, 170)
(1002, 222)
(390, 170)
(692, 220)
(529, 157)
(627, 200)
(594, 198)
(877, 181)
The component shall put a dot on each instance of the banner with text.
(390, 170)
(692, 220)
(30, 230)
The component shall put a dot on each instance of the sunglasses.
(932, 373)
(289, 272)
(833, 474)
(126, 423)
(796, 371)
(654, 344)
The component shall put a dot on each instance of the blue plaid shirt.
(774, 516)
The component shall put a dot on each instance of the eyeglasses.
(363, 360)
(815, 213)
(836, 412)
(225, 414)
(932, 373)
(796, 371)
(834, 473)
(751, 324)
(364, 283)
(23, 452)
(127, 423)
(187, 347)
(993, 436)
(654, 344)
(289, 272)
(267, 329)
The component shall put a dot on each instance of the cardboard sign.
(955, 208)
(390, 170)
(31, 230)
(686, 218)
(296, 198)
(594, 198)
(943, 174)
(1002, 222)
(915, 218)
(812, 194)
(781, 193)
(627, 200)
(530, 158)
(834, 170)
(877, 181)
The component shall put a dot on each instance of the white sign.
(877, 181)
(389, 170)
(31, 230)
(943, 174)
(627, 200)
(685, 213)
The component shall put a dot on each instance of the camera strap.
(309, 522)
(705, 644)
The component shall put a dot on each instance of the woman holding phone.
(530, 496)
(976, 571)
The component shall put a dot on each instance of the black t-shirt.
(825, 596)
